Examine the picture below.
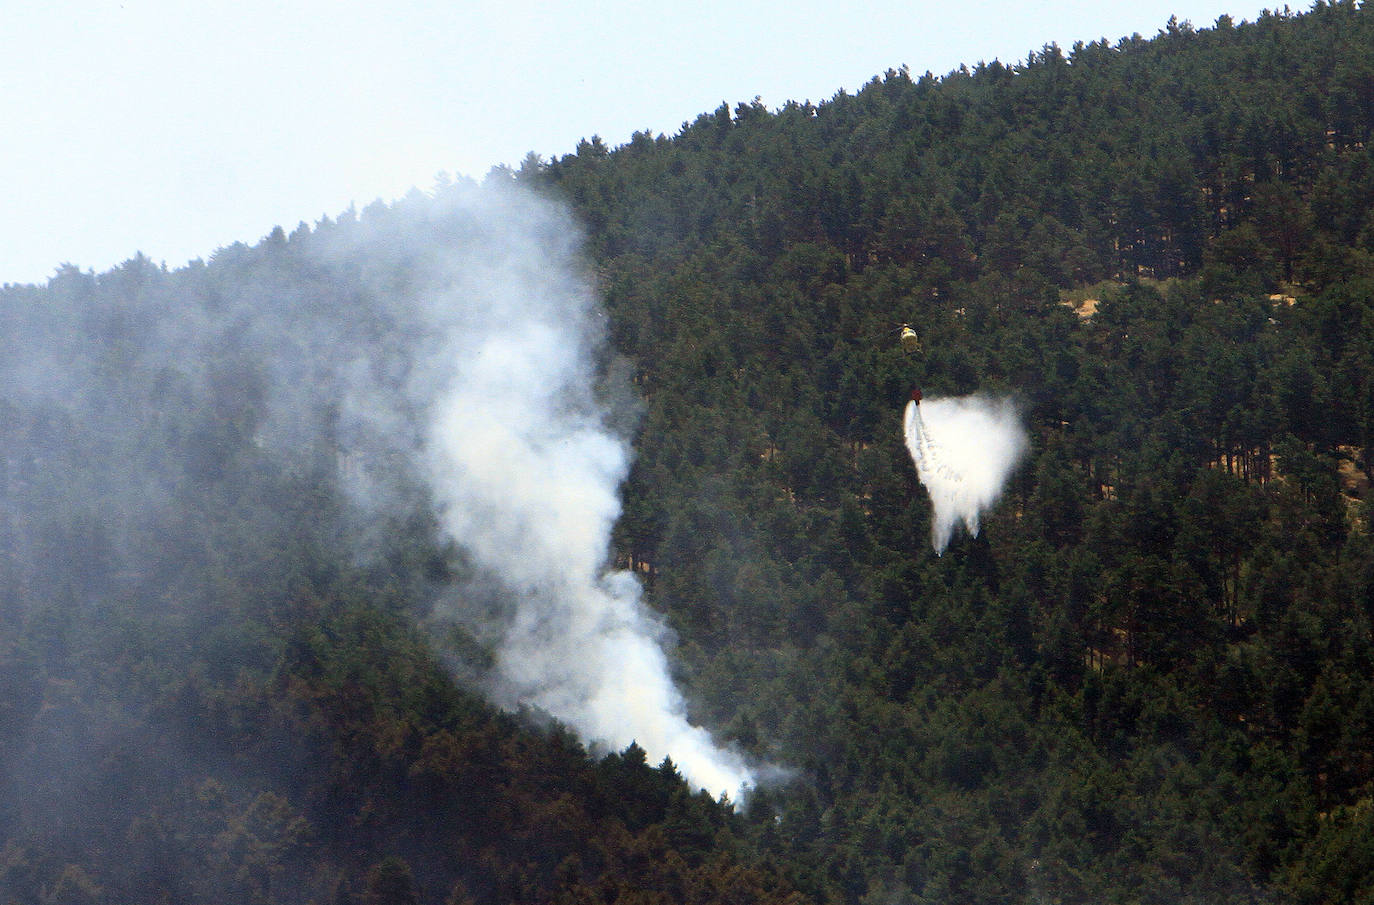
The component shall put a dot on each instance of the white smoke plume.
(525, 468)
(441, 360)
(964, 449)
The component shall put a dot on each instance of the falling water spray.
(964, 449)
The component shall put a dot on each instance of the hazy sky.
(175, 128)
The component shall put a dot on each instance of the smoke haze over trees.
(228, 671)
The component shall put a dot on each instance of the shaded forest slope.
(1148, 679)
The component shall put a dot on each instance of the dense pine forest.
(1149, 678)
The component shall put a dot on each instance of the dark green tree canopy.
(1148, 678)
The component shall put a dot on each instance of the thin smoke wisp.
(964, 449)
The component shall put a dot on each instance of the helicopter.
(911, 343)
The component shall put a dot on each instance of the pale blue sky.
(175, 128)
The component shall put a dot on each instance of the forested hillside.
(1150, 677)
